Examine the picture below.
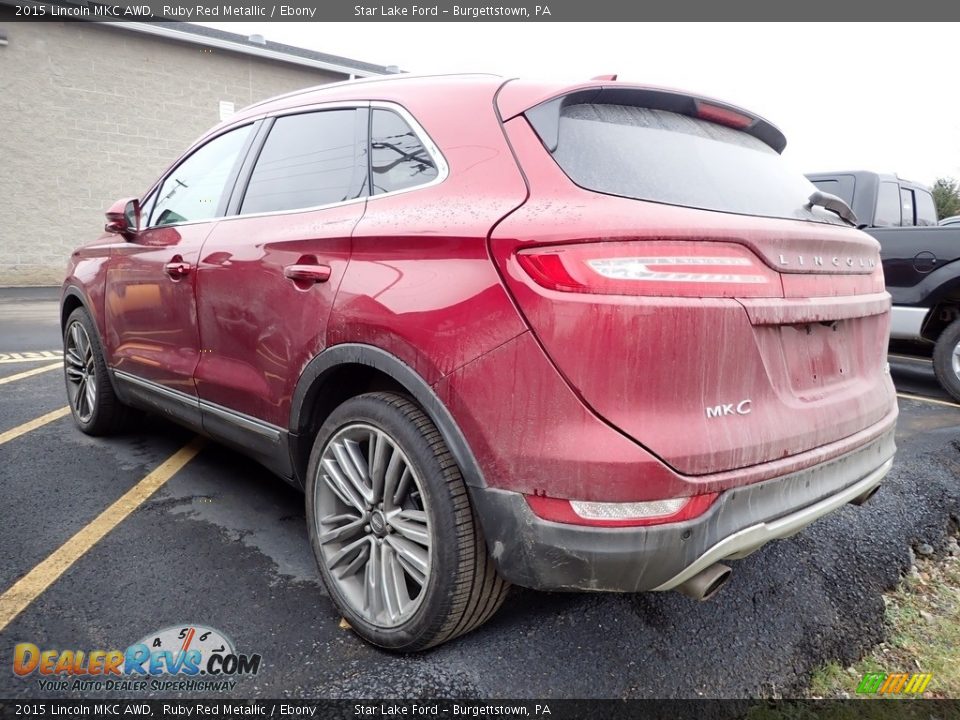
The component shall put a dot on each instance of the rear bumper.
(546, 555)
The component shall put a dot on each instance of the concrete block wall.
(91, 113)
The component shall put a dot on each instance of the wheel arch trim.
(72, 291)
(338, 356)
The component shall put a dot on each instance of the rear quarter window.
(666, 157)
(398, 160)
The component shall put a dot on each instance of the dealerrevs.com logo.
(184, 658)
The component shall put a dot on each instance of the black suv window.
(308, 160)
(666, 157)
(926, 210)
(194, 190)
(906, 206)
(841, 186)
(888, 205)
(398, 158)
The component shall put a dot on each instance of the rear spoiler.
(545, 117)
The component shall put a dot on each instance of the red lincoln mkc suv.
(573, 337)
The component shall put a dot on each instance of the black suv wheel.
(946, 359)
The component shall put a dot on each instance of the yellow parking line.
(921, 398)
(34, 583)
(29, 373)
(33, 424)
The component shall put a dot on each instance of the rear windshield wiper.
(833, 204)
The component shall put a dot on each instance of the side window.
(926, 210)
(308, 160)
(888, 205)
(194, 189)
(398, 159)
(906, 205)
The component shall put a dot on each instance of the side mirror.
(123, 218)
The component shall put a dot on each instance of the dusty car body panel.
(756, 404)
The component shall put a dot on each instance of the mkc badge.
(741, 408)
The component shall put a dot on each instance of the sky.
(848, 96)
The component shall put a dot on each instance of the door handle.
(177, 269)
(307, 273)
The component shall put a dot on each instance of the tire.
(946, 359)
(408, 569)
(93, 404)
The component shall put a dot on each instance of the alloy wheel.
(373, 524)
(81, 372)
(956, 360)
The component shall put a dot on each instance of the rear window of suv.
(666, 157)
(398, 159)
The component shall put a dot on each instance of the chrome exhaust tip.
(706, 583)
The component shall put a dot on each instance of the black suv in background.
(921, 261)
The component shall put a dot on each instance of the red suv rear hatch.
(670, 267)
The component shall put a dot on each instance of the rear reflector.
(689, 269)
(631, 514)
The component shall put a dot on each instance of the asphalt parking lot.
(223, 544)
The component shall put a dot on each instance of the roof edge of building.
(165, 31)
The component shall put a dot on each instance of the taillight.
(630, 514)
(688, 269)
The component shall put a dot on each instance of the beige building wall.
(91, 113)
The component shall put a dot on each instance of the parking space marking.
(29, 373)
(934, 401)
(30, 356)
(28, 588)
(19, 430)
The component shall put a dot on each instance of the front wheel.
(95, 408)
(946, 359)
(391, 526)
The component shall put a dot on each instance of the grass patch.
(923, 615)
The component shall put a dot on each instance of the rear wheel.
(95, 408)
(946, 359)
(391, 527)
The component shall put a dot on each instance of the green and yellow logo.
(894, 683)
